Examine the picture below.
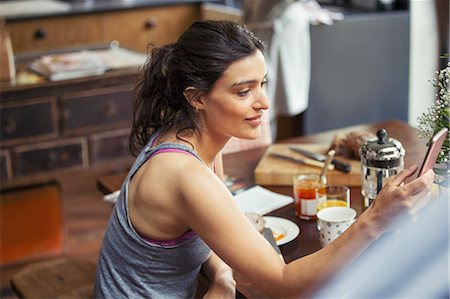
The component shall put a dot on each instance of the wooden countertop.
(14, 92)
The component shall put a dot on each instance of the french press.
(381, 158)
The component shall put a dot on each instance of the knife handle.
(342, 166)
(319, 164)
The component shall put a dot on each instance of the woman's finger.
(403, 175)
(421, 183)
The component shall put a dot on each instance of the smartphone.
(433, 151)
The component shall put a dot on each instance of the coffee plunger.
(381, 158)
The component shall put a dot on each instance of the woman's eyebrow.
(243, 82)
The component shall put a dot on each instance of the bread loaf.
(348, 145)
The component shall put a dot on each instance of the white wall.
(423, 57)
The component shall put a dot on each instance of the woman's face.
(235, 105)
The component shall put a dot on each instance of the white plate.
(284, 226)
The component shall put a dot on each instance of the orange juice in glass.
(308, 190)
(335, 196)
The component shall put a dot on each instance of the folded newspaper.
(261, 200)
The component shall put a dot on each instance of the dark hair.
(198, 59)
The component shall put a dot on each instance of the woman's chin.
(250, 135)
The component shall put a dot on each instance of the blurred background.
(332, 64)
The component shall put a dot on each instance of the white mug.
(333, 221)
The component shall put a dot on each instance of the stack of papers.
(121, 58)
(69, 65)
(85, 63)
(261, 201)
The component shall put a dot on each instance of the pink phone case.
(433, 150)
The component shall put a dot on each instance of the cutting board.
(275, 171)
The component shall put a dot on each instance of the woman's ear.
(193, 97)
(189, 94)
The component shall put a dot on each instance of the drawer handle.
(150, 23)
(41, 33)
(66, 114)
(10, 126)
(54, 159)
(110, 109)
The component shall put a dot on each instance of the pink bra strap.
(173, 242)
(170, 150)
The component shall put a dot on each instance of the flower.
(438, 115)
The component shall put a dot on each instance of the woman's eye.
(244, 93)
(264, 83)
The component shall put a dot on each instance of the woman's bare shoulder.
(173, 170)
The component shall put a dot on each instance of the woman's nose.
(262, 101)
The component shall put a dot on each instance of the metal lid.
(382, 152)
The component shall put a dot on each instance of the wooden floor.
(85, 217)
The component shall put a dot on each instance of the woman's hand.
(222, 288)
(397, 198)
(222, 283)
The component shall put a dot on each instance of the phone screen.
(433, 151)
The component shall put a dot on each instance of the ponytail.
(151, 94)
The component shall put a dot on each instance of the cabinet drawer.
(30, 121)
(56, 32)
(50, 156)
(109, 145)
(5, 166)
(96, 109)
(135, 29)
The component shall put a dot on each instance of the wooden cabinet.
(52, 33)
(65, 128)
(97, 109)
(50, 156)
(32, 120)
(107, 146)
(132, 28)
(138, 28)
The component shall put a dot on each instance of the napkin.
(261, 200)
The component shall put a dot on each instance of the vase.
(442, 178)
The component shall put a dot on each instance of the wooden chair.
(56, 278)
(31, 223)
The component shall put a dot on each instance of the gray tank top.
(131, 266)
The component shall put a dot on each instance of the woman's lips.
(254, 121)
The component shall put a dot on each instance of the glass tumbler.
(308, 190)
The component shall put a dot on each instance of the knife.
(302, 161)
(340, 165)
(267, 233)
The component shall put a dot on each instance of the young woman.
(174, 215)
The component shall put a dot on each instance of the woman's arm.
(207, 207)
(222, 284)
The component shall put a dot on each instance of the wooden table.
(243, 164)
